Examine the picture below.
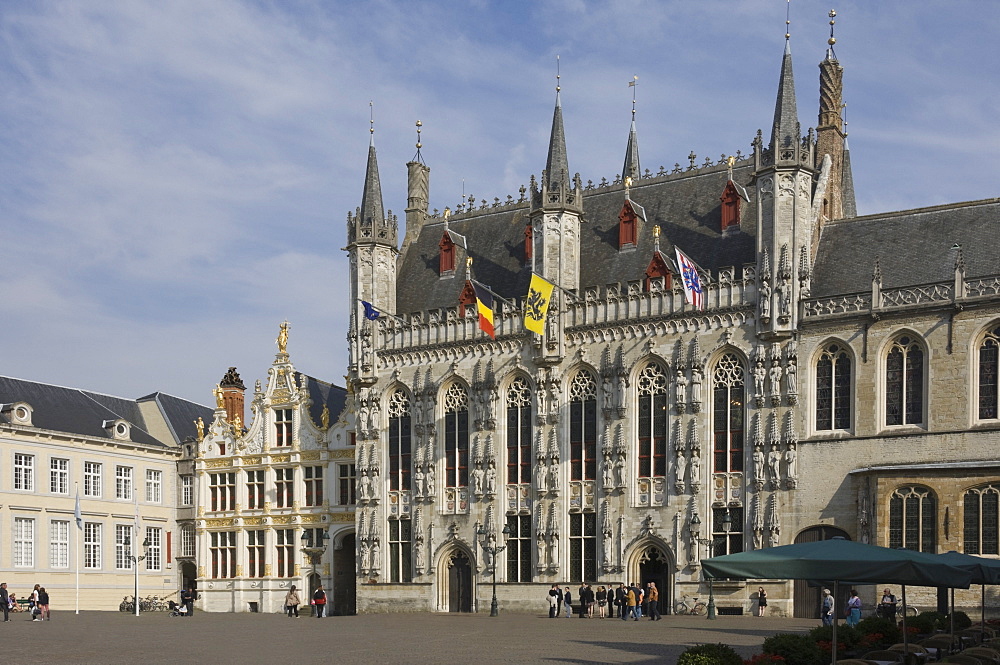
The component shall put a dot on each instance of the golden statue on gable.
(282, 340)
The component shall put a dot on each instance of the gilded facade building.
(840, 380)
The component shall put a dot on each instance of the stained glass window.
(653, 421)
(904, 383)
(913, 519)
(728, 401)
(833, 388)
(583, 426)
(989, 375)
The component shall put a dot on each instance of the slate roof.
(686, 206)
(914, 247)
(180, 414)
(321, 392)
(82, 412)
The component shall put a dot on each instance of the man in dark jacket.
(621, 600)
(5, 601)
(187, 600)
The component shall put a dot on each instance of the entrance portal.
(808, 599)
(654, 566)
(344, 578)
(459, 583)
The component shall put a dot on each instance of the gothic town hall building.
(841, 379)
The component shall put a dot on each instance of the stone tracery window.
(833, 388)
(982, 520)
(583, 426)
(519, 432)
(989, 375)
(400, 441)
(456, 436)
(652, 388)
(913, 519)
(728, 403)
(904, 382)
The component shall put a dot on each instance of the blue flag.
(370, 312)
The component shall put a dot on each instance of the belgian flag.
(484, 305)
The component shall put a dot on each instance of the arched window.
(399, 441)
(518, 432)
(904, 382)
(728, 400)
(456, 436)
(652, 390)
(982, 520)
(583, 426)
(446, 261)
(913, 519)
(989, 375)
(833, 388)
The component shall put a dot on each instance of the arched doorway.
(654, 565)
(345, 577)
(459, 582)
(807, 599)
(189, 576)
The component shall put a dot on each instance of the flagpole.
(563, 290)
(78, 517)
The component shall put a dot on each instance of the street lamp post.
(494, 549)
(314, 550)
(135, 568)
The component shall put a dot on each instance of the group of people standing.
(38, 603)
(318, 602)
(886, 608)
(630, 600)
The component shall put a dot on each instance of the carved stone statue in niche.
(696, 378)
(606, 478)
(774, 464)
(554, 478)
(540, 549)
(553, 549)
(759, 377)
(694, 467)
(541, 476)
(419, 480)
(681, 468)
(758, 464)
(784, 292)
(791, 466)
(765, 299)
(680, 390)
(620, 470)
(491, 479)
(478, 476)
(774, 374)
(607, 545)
(430, 482)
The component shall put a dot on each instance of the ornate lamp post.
(494, 548)
(314, 550)
(135, 567)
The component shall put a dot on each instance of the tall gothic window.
(653, 421)
(904, 383)
(583, 426)
(728, 399)
(913, 519)
(399, 441)
(519, 431)
(982, 520)
(582, 547)
(519, 548)
(399, 551)
(456, 436)
(833, 388)
(989, 375)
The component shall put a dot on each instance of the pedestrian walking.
(828, 606)
(568, 603)
(292, 602)
(631, 601)
(319, 600)
(43, 605)
(653, 602)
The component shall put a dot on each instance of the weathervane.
(632, 84)
(371, 120)
(418, 157)
(788, 21)
(832, 40)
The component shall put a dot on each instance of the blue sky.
(175, 176)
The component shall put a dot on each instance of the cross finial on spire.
(632, 84)
(788, 20)
(830, 55)
(371, 120)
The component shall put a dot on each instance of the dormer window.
(447, 259)
(18, 413)
(628, 225)
(468, 295)
(118, 429)
(732, 197)
(529, 244)
(658, 276)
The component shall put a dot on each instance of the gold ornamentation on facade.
(239, 571)
(311, 455)
(219, 521)
(201, 511)
(201, 572)
(326, 570)
(282, 519)
(297, 572)
(342, 518)
(282, 340)
(253, 521)
(250, 461)
(280, 459)
(280, 395)
(344, 453)
(295, 506)
(267, 570)
(311, 518)
(218, 463)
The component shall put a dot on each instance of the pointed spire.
(847, 181)
(372, 212)
(557, 165)
(631, 166)
(785, 129)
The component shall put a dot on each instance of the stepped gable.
(913, 246)
(685, 205)
(75, 411)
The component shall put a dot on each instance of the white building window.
(154, 486)
(154, 553)
(59, 476)
(123, 482)
(123, 546)
(59, 543)
(24, 472)
(187, 540)
(91, 545)
(24, 542)
(92, 479)
(187, 490)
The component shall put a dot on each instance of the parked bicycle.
(689, 605)
(127, 605)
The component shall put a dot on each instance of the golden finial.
(324, 417)
(628, 185)
(656, 231)
(632, 84)
(419, 125)
(557, 75)
(219, 402)
(788, 20)
(447, 214)
(282, 340)
(729, 166)
(468, 262)
(833, 14)
(371, 118)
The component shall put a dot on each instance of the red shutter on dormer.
(730, 206)
(468, 295)
(528, 243)
(628, 226)
(658, 268)
(447, 254)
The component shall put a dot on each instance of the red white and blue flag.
(691, 280)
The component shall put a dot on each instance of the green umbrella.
(984, 571)
(842, 560)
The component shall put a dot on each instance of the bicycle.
(695, 608)
(126, 605)
(911, 611)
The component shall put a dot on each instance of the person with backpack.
(319, 601)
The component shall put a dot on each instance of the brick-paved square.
(112, 637)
